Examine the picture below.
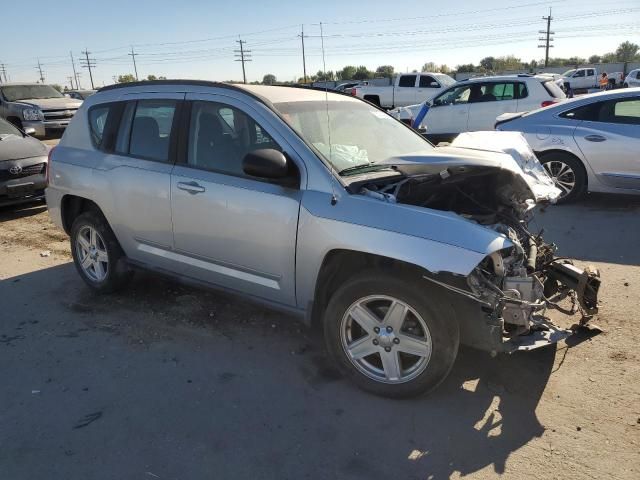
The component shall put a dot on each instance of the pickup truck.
(406, 89)
(585, 78)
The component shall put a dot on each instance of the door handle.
(595, 138)
(191, 187)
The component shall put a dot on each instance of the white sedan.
(591, 143)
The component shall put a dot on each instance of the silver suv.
(36, 106)
(321, 205)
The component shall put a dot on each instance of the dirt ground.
(166, 381)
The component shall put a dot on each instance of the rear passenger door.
(135, 175)
(488, 102)
(231, 229)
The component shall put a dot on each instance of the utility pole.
(88, 63)
(133, 56)
(547, 38)
(3, 71)
(70, 81)
(75, 74)
(304, 61)
(39, 68)
(242, 56)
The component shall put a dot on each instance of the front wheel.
(390, 335)
(567, 174)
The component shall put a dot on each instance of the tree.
(610, 57)
(627, 52)
(429, 67)
(324, 76)
(57, 87)
(347, 72)
(508, 62)
(126, 78)
(595, 59)
(466, 67)
(362, 73)
(269, 79)
(488, 63)
(444, 68)
(384, 71)
(151, 78)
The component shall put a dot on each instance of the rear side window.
(97, 122)
(624, 111)
(554, 90)
(407, 81)
(145, 129)
(493, 92)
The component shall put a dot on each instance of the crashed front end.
(513, 288)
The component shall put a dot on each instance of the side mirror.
(266, 163)
(434, 84)
(30, 130)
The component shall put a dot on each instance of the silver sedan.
(591, 143)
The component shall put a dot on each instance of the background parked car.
(586, 78)
(80, 94)
(37, 106)
(345, 87)
(405, 89)
(633, 78)
(591, 143)
(23, 163)
(474, 104)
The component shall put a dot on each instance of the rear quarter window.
(553, 90)
(97, 121)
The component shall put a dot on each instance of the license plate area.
(21, 190)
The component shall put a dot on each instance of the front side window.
(220, 136)
(151, 129)
(454, 96)
(350, 134)
(579, 73)
(428, 82)
(407, 81)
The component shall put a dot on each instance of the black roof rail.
(144, 83)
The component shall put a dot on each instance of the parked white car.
(585, 78)
(591, 143)
(406, 89)
(474, 104)
(633, 78)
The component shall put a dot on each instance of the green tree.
(610, 57)
(347, 72)
(324, 76)
(488, 63)
(362, 73)
(384, 71)
(466, 67)
(57, 87)
(151, 78)
(126, 78)
(627, 52)
(444, 68)
(429, 67)
(269, 79)
(508, 62)
(595, 59)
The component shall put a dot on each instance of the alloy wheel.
(92, 253)
(562, 175)
(385, 339)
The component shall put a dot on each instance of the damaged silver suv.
(321, 205)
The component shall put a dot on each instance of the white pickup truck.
(585, 78)
(406, 89)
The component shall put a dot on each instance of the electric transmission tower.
(243, 56)
(547, 39)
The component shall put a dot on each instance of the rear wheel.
(389, 335)
(567, 174)
(97, 254)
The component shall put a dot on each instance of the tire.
(105, 269)
(428, 328)
(375, 99)
(554, 163)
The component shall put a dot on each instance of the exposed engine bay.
(515, 285)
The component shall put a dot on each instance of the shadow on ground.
(24, 210)
(184, 383)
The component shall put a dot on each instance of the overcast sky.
(196, 39)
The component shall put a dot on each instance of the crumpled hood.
(16, 148)
(51, 103)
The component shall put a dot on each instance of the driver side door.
(449, 112)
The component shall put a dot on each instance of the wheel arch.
(71, 206)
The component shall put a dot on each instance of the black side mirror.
(266, 163)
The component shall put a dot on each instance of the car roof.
(22, 84)
(498, 78)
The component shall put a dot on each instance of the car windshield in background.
(359, 134)
(6, 129)
(24, 92)
(445, 80)
(568, 72)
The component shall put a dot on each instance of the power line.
(133, 57)
(88, 63)
(546, 39)
(242, 56)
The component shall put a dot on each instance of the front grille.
(59, 114)
(26, 171)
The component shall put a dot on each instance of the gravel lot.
(166, 381)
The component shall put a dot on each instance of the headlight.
(33, 114)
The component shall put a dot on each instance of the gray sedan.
(591, 143)
(23, 163)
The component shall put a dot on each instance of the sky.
(197, 39)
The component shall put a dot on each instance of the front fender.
(435, 241)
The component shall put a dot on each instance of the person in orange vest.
(604, 81)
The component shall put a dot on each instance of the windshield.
(6, 129)
(568, 73)
(359, 135)
(22, 92)
(445, 80)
